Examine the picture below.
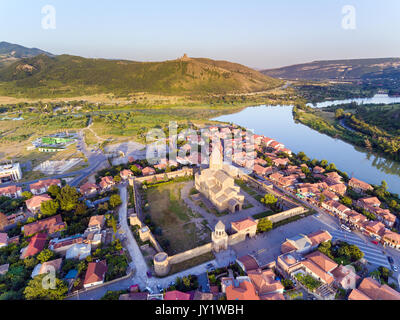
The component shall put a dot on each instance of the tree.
(331, 167)
(68, 198)
(269, 199)
(323, 163)
(54, 190)
(45, 255)
(115, 200)
(81, 209)
(117, 179)
(347, 201)
(27, 195)
(36, 291)
(339, 113)
(49, 208)
(264, 225)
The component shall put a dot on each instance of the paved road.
(139, 264)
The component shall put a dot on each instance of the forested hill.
(67, 75)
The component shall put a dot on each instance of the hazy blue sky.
(257, 33)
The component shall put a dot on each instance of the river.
(277, 122)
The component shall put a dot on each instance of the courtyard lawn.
(181, 229)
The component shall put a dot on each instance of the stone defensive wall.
(185, 172)
(287, 214)
(189, 254)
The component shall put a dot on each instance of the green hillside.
(65, 75)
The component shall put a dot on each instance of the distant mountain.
(66, 75)
(10, 53)
(18, 51)
(356, 69)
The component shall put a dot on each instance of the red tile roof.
(44, 184)
(51, 225)
(243, 224)
(245, 291)
(176, 295)
(36, 201)
(96, 272)
(36, 244)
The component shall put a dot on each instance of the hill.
(356, 69)
(67, 75)
(10, 53)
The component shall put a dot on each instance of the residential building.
(36, 244)
(106, 183)
(49, 266)
(148, 171)
(88, 189)
(79, 251)
(95, 274)
(96, 223)
(370, 289)
(241, 289)
(176, 295)
(34, 204)
(126, 174)
(305, 243)
(360, 186)
(51, 225)
(11, 192)
(265, 284)
(3, 240)
(391, 239)
(42, 186)
(62, 245)
(10, 172)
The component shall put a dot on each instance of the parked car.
(149, 275)
(375, 242)
(148, 290)
(395, 268)
(390, 259)
(160, 289)
(346, 228)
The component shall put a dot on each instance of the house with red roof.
(148, 171)
(107, 183)
(241, 289)
(265, 284)
(88, 189)
(36, 244)
(370, 289)
(34, 204)
(3, 239)
(50, 225)
(360, 186)
(11, 192)
(126, 174)
(176, 295)
(42, 186)
(95, 274)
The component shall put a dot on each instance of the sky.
(257, 33)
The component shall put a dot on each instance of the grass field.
(180, 227)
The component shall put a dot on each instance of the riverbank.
(349, 129)
(277, 123)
